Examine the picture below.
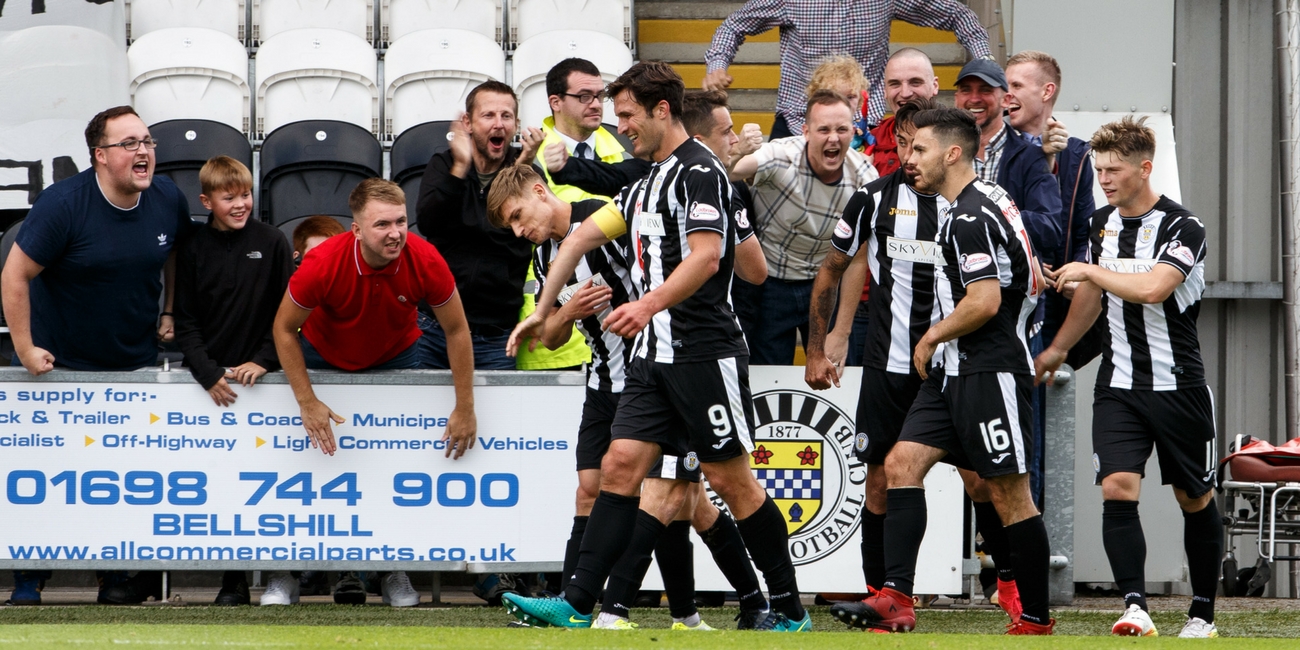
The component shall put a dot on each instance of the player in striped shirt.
(1145, 280)
(975, 413)
(687, 387)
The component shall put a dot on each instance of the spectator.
(908, 75)
(489, 263)
(843, 74)
(801, 185)
(97, 244)
(71, 252)
(355, 299)
(229, 280)
(813, 29)
(313, 232)
(1006, 159)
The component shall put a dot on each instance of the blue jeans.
(405, 360)
(783, 310)
(858, 336)
(489, 349)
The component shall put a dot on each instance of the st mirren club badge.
(803, 456)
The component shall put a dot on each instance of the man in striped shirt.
(1145, 279)
(976, 413)
(687, 385)
(811, 30)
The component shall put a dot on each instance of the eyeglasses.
(132, 144)
(585, 98)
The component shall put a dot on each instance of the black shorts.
(703, 407)
(686, 468)
(983, 420)
(593, 434)
(1179, 424)
(883, 404)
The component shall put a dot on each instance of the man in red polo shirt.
(354, 299)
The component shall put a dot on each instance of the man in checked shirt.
(811, 30)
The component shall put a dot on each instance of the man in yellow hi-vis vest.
(576, 94)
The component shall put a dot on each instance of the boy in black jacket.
(230, 277)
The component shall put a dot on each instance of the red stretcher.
(1261, 487)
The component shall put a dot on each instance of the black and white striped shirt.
(1151, 347)
(685, 193)
(898, 227)
(609, 352)
(983, 238)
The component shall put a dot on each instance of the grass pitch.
(314, 626)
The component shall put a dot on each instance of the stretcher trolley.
(1261, 492)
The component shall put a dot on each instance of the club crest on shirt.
(703, 212)
(804, 458)
(1147, 232)
(742, 218)
(975, 261)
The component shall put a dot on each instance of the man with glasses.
(82, 283)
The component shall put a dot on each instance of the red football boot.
(887, 610)
(1021, 627)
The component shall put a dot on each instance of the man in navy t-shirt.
(82, 281)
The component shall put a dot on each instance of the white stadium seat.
(529, 18)
(225, 16)
(429, 73)
(190, 73)
(316, 74)
(535, 56)
(271, 17)
(401, 17)
(59, 145)
(58, 72)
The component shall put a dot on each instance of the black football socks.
(873, 549)
(1030, 555)
(627, 573)
(768, 540)
(609, 529)
(1203, 542)
(1126, 548)
(676, 555)
(571, 549)
(989, 525)
(729, 553)
(905, 523)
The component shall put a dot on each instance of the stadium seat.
(288, 226)
(529, 18)
(535, 56)
(145, 16)
(429, 73)
(310, 168)
(57, 72)
(401, 17)
(189, 73)
(316, 74)
(273, 17)
(410, 155)
(183, 147)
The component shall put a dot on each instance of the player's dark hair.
(697, 110)
(906, 113)
(557, 78)
(95, 129)
(651, 82)
(951, 126)
(489, 87)
(827, 97)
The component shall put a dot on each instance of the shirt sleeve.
(768, 158)
(282, 256)
(949, 16)
(703, 188)
(755, 17)
(45, 233)
(189, 335)
(307, 284)
(1186, 247)
(973, 245)
(439, 284)
(741, 201)
(855, 225)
